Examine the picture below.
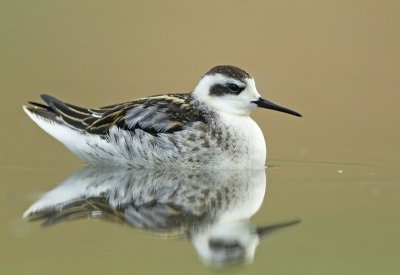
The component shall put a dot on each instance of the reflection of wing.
(88, 208)
(156, 114)
(211, 209)
(160, 218)
(152, 199)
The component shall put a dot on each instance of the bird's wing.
(156, 114)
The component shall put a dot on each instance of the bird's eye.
(233, 87)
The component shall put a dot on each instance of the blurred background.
(337, 168)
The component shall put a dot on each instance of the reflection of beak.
(263, 231)
(263, 103)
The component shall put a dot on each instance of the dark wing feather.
(73, 115)
(157, 114)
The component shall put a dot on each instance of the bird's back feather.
(156, 114)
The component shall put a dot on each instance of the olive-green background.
(336, 62)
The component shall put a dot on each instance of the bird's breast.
(244, 141)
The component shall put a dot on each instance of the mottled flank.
(229, 71)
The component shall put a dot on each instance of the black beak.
(263, 103)
(265, 230)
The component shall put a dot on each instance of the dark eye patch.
(233, 87)
(230, 88)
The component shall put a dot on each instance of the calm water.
(327, 204)
(348, 212)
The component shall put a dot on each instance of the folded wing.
(157, 114)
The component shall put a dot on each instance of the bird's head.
(230, 89)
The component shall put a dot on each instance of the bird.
(208, 128)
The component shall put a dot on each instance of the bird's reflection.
(212, 209)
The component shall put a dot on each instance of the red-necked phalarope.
(207, 128)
